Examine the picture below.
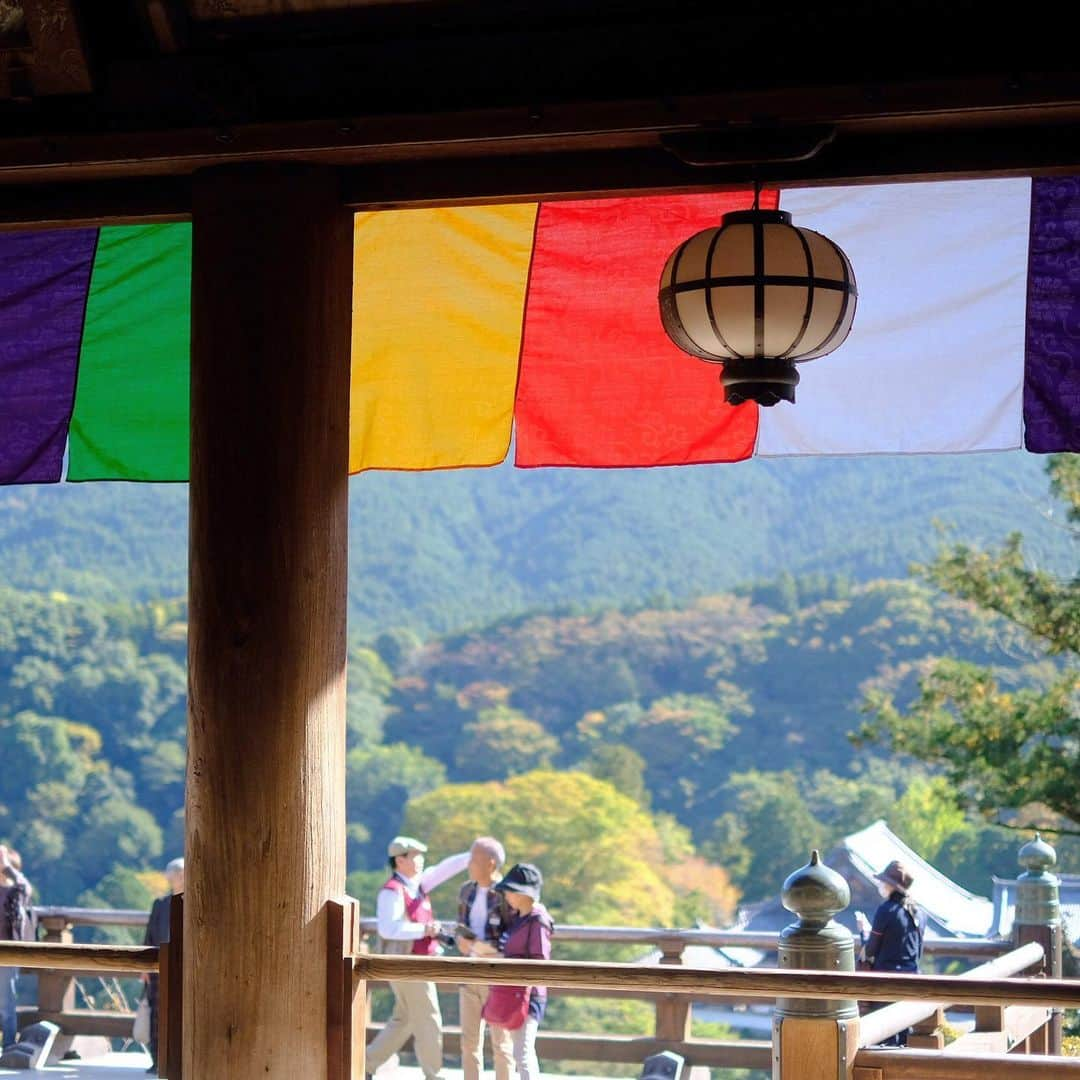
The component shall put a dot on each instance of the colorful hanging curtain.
(472, 323)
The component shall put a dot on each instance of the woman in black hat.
(895, 939)
(519, 1009)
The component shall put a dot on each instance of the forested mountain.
(707, 743)
(439, 551)
(664, 664)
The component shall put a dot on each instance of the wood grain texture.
(56, 993)
(810, 1049)
(89, 958)
(345, 1019)
(59, 64)
(265, 844)
(170, 963)
(703, 982)
(898, 1064)
(1050, 938)
(171, 989)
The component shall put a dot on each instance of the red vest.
(418, 910)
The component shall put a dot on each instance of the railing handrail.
(765, 941)
(884, 1023)
(970, 988)
(56, 957)
(906, 1064)
(77, 916)
(705, 982)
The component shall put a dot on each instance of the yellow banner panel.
(438, 302)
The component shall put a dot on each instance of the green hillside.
(721, 725)
(439, 551)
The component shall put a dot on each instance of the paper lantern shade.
(758, 295)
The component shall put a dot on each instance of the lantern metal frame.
(764, 378)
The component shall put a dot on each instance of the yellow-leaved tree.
(605, 859)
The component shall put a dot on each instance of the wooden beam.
(595, 174)
(362, 136)
(897, 1064)
(849, 160)
(99, 959)
(753, 982)
(265, 821)
(59, 64)
(82, 205)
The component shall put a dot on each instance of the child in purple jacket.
(528, 938)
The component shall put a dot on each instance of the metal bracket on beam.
(748, 145)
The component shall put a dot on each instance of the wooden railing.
(878, 1026)
(985, 988)
(1018, 1006)
(671, 1028)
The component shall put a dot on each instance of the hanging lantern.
(758, 295)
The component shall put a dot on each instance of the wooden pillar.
(171, 995)
(265, 841)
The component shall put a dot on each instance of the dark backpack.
(17, 918)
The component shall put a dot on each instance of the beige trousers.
(416, 1013)
(472, 1038)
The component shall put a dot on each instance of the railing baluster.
(56, 990)
(673, 1015)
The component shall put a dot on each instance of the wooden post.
(346, 1011)
(265, 840)
(927, 1034)
(171, 995)
(815, 1039)
(1038, 918)
(56, 989)
(673, 1011)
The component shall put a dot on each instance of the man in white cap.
(407, 925)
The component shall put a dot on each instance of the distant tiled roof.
(954, 910)
(1005, 905)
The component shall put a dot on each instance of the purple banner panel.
(44, 281)
(1052, 364)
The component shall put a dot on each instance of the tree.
(378, 784)
(503, 741)
(602, 856)
(770, 831)
(369, 684)
(678, 736)
(1002, 747)
(621, 767)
